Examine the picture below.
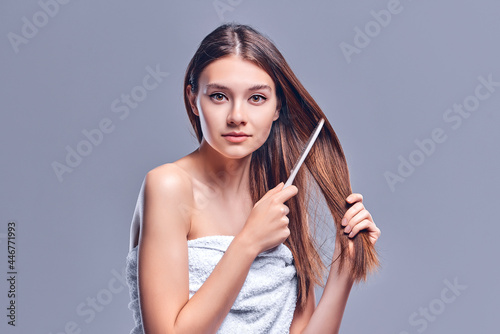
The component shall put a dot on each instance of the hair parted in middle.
(273, 161)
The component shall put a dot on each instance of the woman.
(213, 247)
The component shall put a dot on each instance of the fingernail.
(351, 234)
(344, 222)
(347, 229)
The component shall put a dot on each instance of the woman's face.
(235, 95)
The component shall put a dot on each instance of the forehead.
(235, 72)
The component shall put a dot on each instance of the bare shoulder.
(170, 187)
(169, 176)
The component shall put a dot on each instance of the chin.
(236, 152)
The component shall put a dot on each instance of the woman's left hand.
(357, 218)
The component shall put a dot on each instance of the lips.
(236, 134)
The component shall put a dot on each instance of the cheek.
(208, 118)
(264, 128)
(208, 125)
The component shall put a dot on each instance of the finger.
(351, 212)
(273, 191)
(373, 233)
(365, 224)
(286, 233)
(287, 193)
(354, 197)
(360, 216)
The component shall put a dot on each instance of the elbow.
(174, 329)
(158, 327)
(306, 331)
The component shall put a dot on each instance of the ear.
(192, 100)
(277, 112)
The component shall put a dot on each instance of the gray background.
(72, 234)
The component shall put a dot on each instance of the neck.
(228, 176)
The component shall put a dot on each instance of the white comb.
(303, 156)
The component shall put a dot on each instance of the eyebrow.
(254, 87)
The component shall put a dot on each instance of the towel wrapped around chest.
(266, 301)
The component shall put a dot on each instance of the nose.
(237, 114)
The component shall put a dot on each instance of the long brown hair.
(272, 162)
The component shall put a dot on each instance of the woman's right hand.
(267, 225)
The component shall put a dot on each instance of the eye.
(217, 96)
(258, 98)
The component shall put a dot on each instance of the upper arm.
(301, 318)
(162, 252)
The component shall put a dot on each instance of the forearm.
(327, 316)
(209, 306)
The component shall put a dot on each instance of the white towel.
(266, 301)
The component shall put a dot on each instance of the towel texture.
(266, 302)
